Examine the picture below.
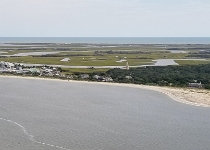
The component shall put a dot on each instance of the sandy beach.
(191, 96)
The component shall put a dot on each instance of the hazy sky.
(105, 18)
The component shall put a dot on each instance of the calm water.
(43, 115)
(110, 40)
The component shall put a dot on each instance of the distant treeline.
(198, 56)
(63, 49)
(55, 55)
(121, 52)
(202, 52)
(31, 49)
(36, 49)
(140, 58)
(189, 48)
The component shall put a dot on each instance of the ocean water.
(56, 115)
(108, 40)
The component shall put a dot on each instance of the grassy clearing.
(103, 59)
(107, 60)
(120, 48)
(82, 70)
(76, 53)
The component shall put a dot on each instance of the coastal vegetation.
(92, 54)
(193, 60)
(99, 58)
(176, 76)
(179, 76)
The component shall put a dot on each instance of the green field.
(99, 55)
(82, 70)
(78, 61)
(89, 59)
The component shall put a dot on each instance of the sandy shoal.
(191, 96)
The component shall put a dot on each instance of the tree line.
(179, 76)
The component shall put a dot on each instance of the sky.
(104, 18)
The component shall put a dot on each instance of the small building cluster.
(46, 71)
(50, 71)
(7, 67)
(96, 78)
(14, 68)
(102, 78)
(128, 77)
(195, 85)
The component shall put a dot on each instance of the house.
(6, 65)
(34, 70)
(96, 77)
(84, 76)
(107, 79)
(195, 85)
(19, 71)
(69, 76)
(128, 77)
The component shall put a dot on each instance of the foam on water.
(31, 137)
(48, 114)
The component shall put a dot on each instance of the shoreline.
(190, 96)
